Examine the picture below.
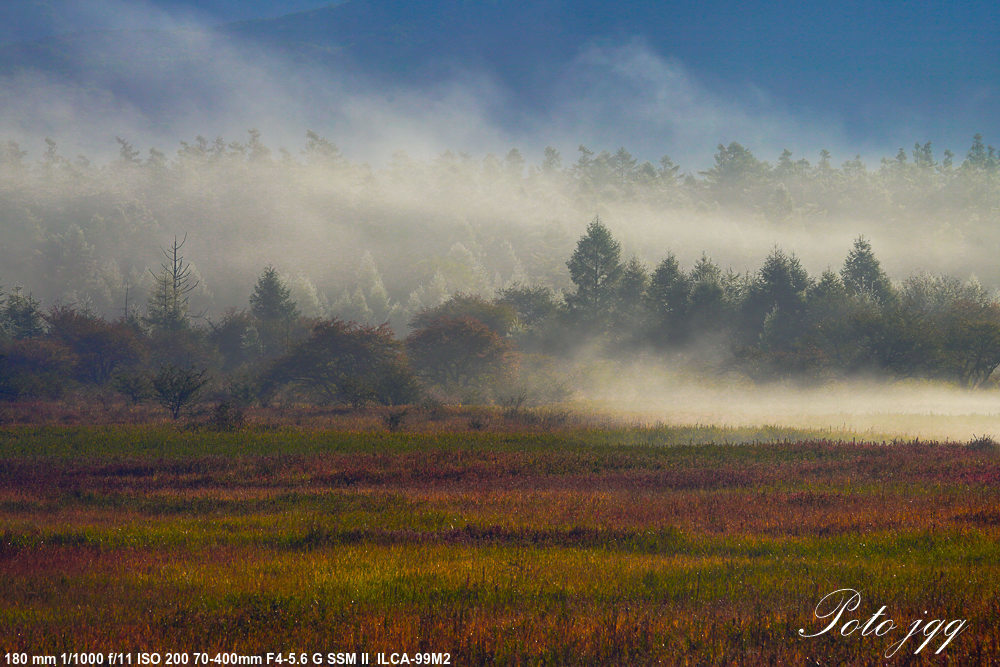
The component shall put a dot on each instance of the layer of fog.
(424, 203)
(652, 392)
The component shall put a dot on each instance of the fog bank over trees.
(381, 244)
(621, 325)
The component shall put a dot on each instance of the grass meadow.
(536, 542)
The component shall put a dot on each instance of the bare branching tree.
(168, 304)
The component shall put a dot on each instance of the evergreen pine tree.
(272, 305)
(596, 270)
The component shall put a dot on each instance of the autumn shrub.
(347, 364)
(35, 368)
(462, 357)
(227, 416)
(175, 387)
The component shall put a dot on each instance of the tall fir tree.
(596, 270)
(272, 306)
(863, 275)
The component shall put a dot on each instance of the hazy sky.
(678, 78)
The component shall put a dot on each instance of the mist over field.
(871, 408)
(377, 200)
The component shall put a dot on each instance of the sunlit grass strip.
(955, 545)
(169, 442)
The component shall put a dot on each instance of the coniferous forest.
(252, 275)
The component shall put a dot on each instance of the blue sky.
(933, 66)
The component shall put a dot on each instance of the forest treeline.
(86, 233)
(776, 322)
